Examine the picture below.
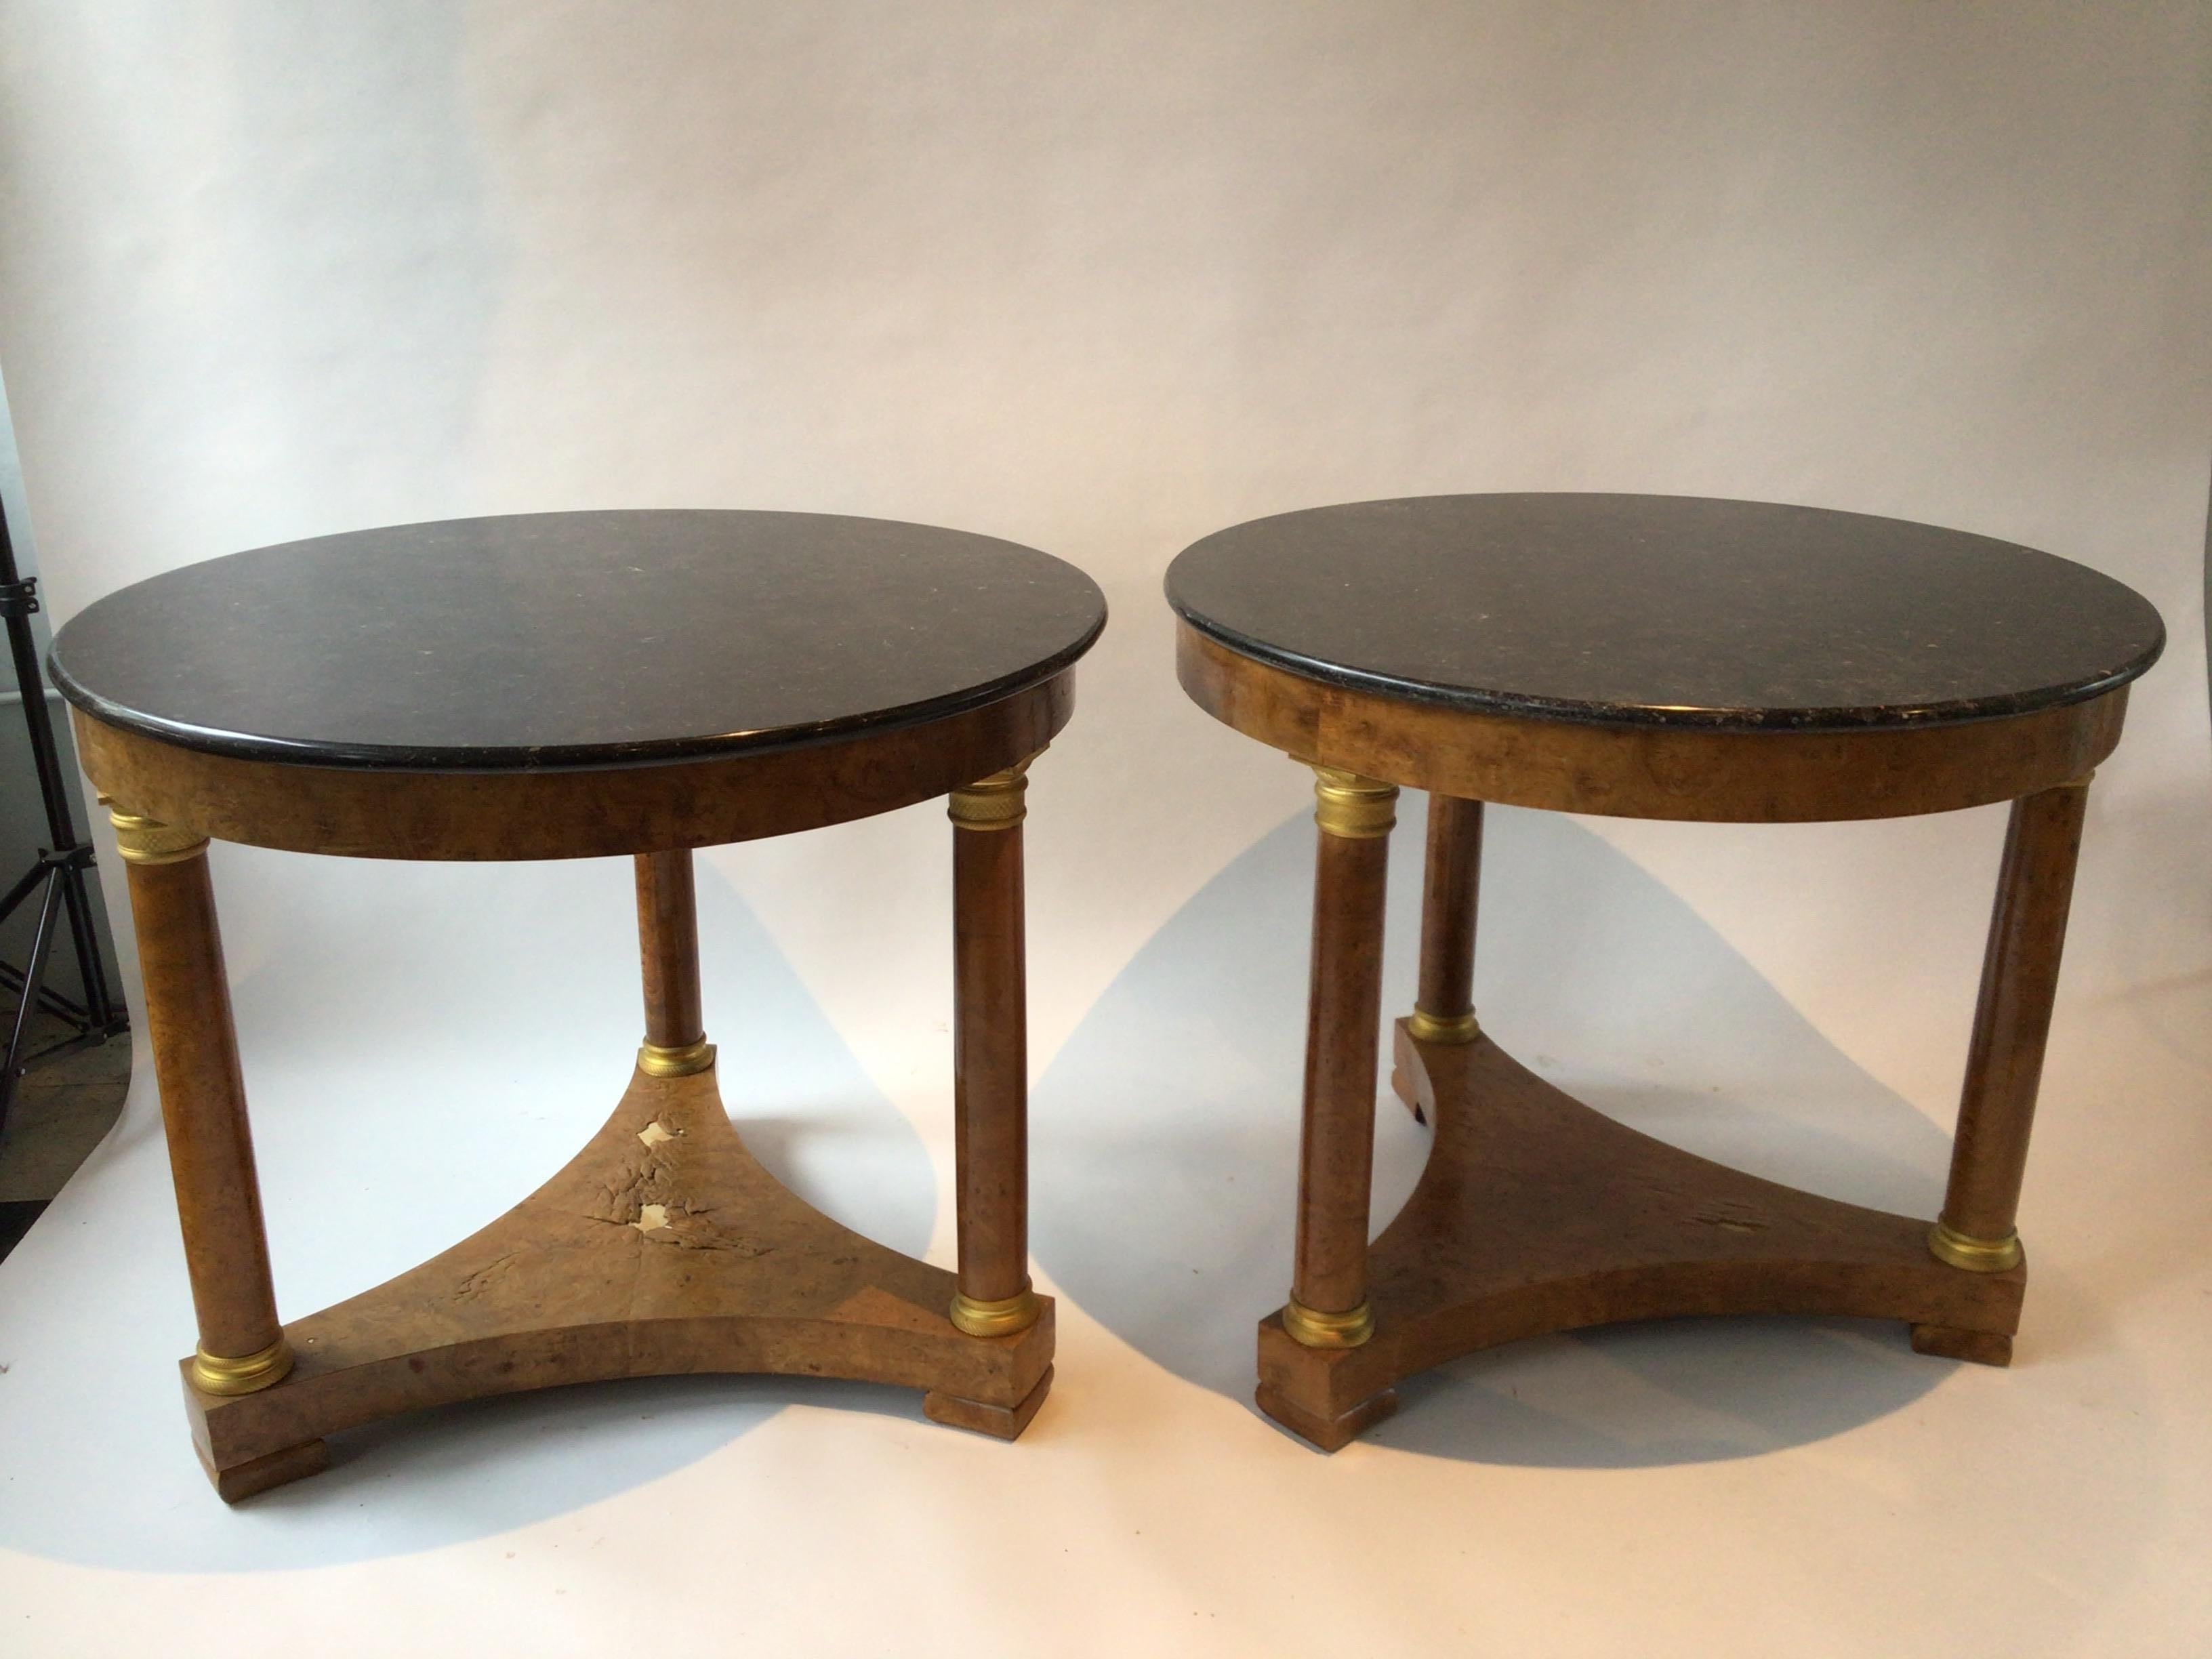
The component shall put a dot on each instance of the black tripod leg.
(19, 600)
(99, 1003)
(34, 977)
(21, 889)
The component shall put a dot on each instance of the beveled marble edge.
(586, 757)
(1579, 713)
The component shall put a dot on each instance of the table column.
(1444, 1010)
(668, 949)
(1329, 1306)
(2011, 1023)
(990, 1056)
(188, 1017)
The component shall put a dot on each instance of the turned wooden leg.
(990, 1057)
(1443, 1008)
(668, 949)
(241, 1346)
(1329, 1306)
(2012, 1021)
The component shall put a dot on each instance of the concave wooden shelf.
(1537, 1214)
(663, 1249)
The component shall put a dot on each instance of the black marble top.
(567, 641)
(1665, 610)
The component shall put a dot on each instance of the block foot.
(1329, 1433)
(1949, 1342)
(278, 1468)
(1003, 1422)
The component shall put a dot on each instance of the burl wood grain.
(1536, 1213)
(668, 949)
(990, 1062)
(1451, 879)
(203, 1105)
(2012, 1020)
(1343, 1012)
(1755, 777)
(663, 1249)
(359, 812)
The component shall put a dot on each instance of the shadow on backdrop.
(386, 1131)
(1166, 1160)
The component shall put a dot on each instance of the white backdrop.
(1101, 279)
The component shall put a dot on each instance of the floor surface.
(66, 1105)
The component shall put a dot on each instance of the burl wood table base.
(1660, 658)
(663, 1248)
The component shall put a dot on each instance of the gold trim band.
(1352, 807)
(656, 1062)
(994, 803)
(142, 840)
(1426, 1027)
(212, 1374)
(1317, 1329)
(1000, 1318)
(1976, 1255)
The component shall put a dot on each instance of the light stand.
(58, 877)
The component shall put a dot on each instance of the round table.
(575, 685)
(1656, 657)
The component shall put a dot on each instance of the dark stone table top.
(1665, 610)
(565, 640)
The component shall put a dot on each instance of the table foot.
(1328, 1433)
(1536, 1214)
(663, 1249)
(1002, 1422)
(260, 1474)
(1947, 1342)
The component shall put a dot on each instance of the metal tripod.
(57, 877)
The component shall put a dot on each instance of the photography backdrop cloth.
(1101, 279)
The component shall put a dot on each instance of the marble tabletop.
(575, 641)
(1665, 610)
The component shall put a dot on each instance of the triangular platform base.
(663, 1249)
(1536, 1213)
